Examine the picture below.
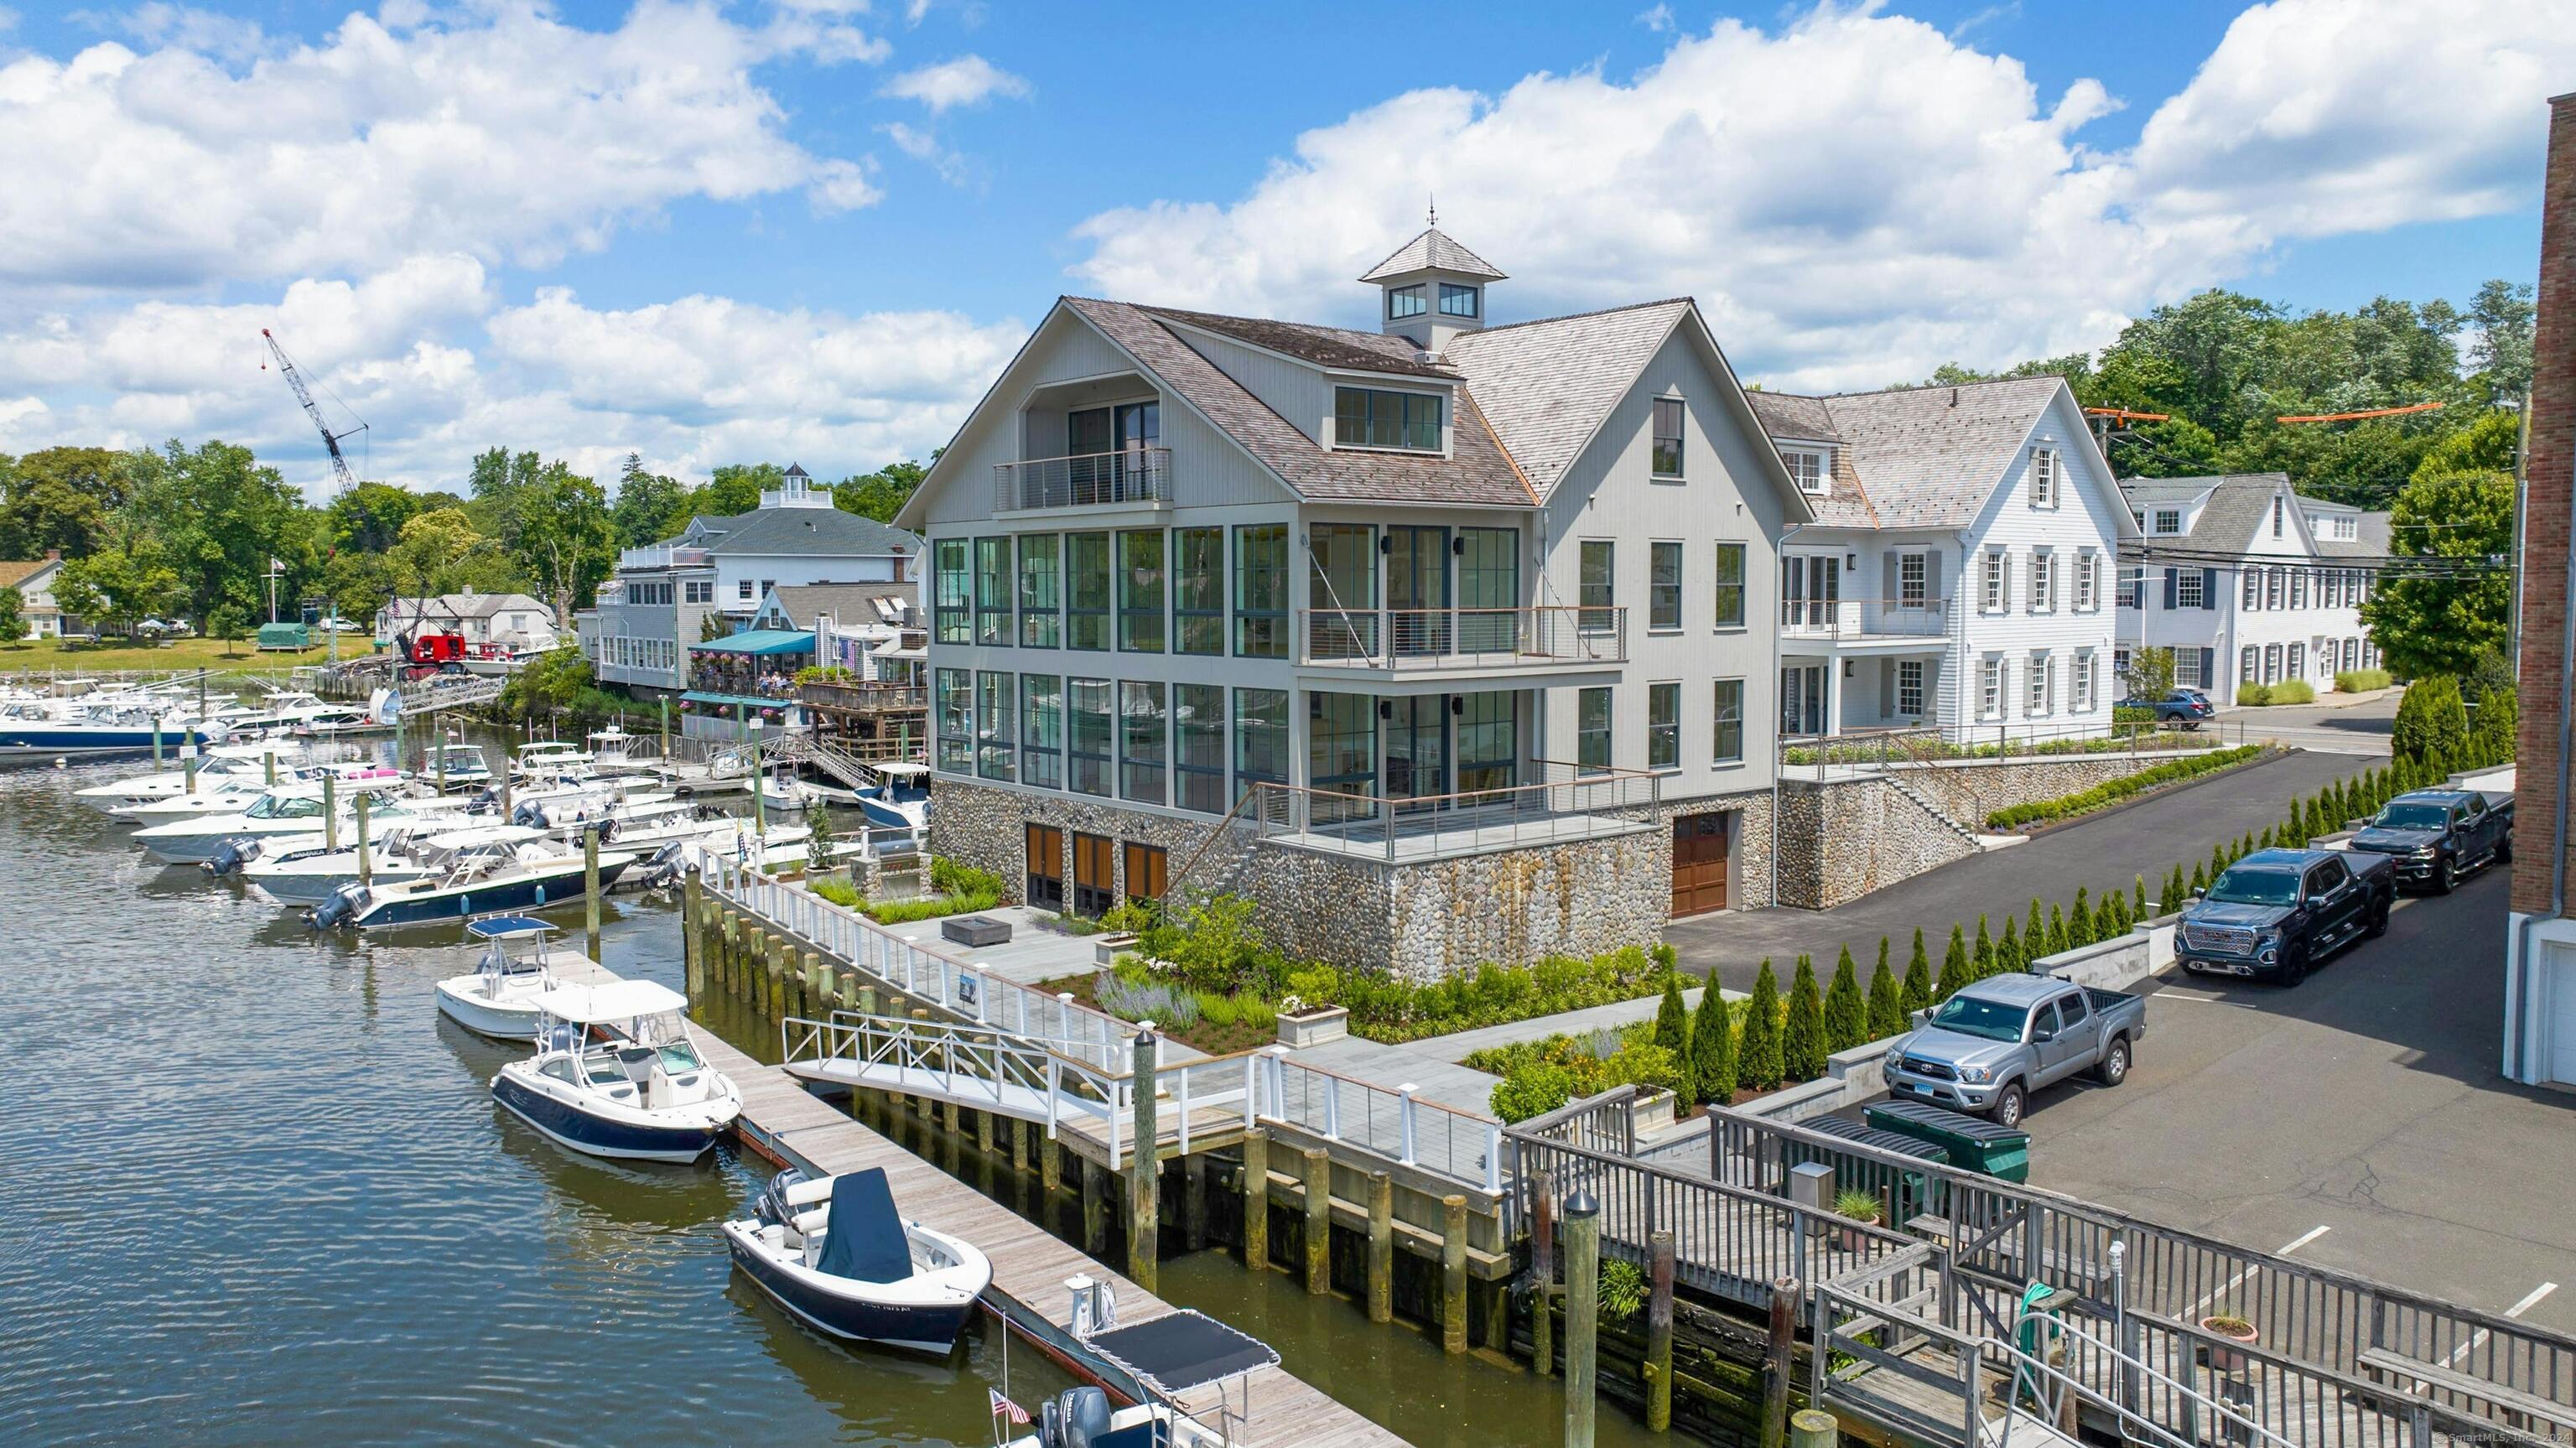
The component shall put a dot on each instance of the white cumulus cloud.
(966, 81)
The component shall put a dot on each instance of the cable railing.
(1124, 475)
(1567, 802)
(1405, 639)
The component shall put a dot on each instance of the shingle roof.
(2238, 505)
(1547, 385)
(1476, 472)
(808, 532)
(1787, 416)
(1323, 346)
(1920, 457)
(1433, 250)
(16, 571)
(850, 604)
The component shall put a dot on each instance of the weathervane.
(1435, 208)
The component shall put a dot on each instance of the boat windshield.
(678, 1056)
(2256, 887)
(2413, 817)
(1969, 1016)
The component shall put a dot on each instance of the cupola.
(1431, 290)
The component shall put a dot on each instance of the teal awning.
(763, 642)
(748, 701)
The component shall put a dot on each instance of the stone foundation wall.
(1970, 790)
(983, 826)
(1841, 839)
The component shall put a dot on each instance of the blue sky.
(815, 229)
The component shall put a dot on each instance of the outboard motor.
(771, 1206)
(530, 815)
(340, 907)
(231, 855)
(1081, 1417)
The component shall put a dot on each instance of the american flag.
(1004, 1407)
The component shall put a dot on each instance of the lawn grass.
(42, 655)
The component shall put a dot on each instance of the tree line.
(191, 532)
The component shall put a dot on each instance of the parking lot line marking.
(2529, 1301)
(2232, 1283)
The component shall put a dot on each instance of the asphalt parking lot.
(2357, 1121)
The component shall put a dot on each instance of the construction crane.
(2365, 412)
(312, 409)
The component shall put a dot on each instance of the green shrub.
(1542, 1075)
(1846, 1015)
(1672, 1020)
(1532, 1092)
(1954, 967)
(2112, 791)
(1257, 1013)
(1916, 994)
(2008, 955)
(1623, 1290)
(839, 891)
(1886, 1006)
(1758, 1063)
(1981, 957)
(1217, 1010)
(2361, 681)
(1713, 1047)
(1802, 1037)
(2432, 721)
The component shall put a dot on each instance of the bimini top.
(506, 927)
(863, 1239)
(1182, 1350)
(610, 1003)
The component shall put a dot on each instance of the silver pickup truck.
(1988, 1047)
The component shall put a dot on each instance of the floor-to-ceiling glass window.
(1260, 736)
(1198, 753)
(996, 709)
(1341, 754)
(1261, 591)
(1086, 590)
(1342, 591)
(1090, 740)
(952, 592)
(1592, 730)
(1417, 589)
(1143, 732)
(993, 592)
(1041, 590)
(956, 722)
(1198, 591)
(1802, 700)
(1417, 747)
(1042, 730)
(1140, 591)
(1489, 590)
(1488, 741)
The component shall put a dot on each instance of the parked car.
(155, 628)
(337, 626)
(2279, 913)
(2186, 707)
(1987, 1048)
(2434, 836)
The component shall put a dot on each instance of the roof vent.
(1954, 397)
(1424, 357)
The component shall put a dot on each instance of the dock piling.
(1144, 1168)
(1256, 1199)
(1777, 1361)
(366, 871)
(693, 932)
(1659, 1332)
(330, 806)
(1582, 1314)
(1453, 1273)
(589, 879)
(1543, 1272)
(1319, 1222)
(1816, 1428)
(1194, 1226)
(271, 760)
(1095, 1209)
(1381, 1247)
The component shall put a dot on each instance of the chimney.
(898, 563)
(53, 555)
(2538, 886)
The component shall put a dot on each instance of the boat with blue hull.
(34, 731)
(616, 1074)
(505, 877)
(834, 1252)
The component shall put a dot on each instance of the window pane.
(996, 709)
(1140, 591)
(1729, 745)
(1261, 735)
(1367, 417)
(1041, 590)
(952, 592)
(1042, 730)
(1341, 591)
(1341, 755)
(1198, 591)
(1592, 729)
(993, 592)
(1489, 587)
(1488, 742)
(1457, 301)
(1597, 591)
(1729, 567)
(1664, 586)
(1261, 591)
(1087, 590)
(1667, 461)
(1199, 731)
(1402, 302)
(1663, 726)
(1088, 754)
(1140, 741)
(956, 705)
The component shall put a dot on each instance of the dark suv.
(2275, 913)
(2186, 707)
(2437, 835)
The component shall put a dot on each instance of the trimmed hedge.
(2361, 681)
(2084, 801)
(2288, 691)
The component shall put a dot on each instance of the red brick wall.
(2547, 467)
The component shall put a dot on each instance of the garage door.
(1699, 862)
(2557, 1051)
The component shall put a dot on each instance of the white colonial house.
(1958, 572)
(2248, 582)
(34, 579)
(516, 620)
(659, 602)
(1449, 640)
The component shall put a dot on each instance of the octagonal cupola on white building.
(1431, 290)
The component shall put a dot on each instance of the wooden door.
(1045, 867)
(1095, 875)
(1148, 872)
(1700, 844)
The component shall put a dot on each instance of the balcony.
(1087, 480)
(1412, 640)
(1566, 804)
(866, 698)
(661, 555)
(1864, 620)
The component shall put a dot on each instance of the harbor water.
(258, 1193)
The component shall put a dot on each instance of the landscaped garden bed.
(957, 890)
(2112, 791)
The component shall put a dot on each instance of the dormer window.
(1369, 417)
(2168, 520)
(1402, 302)
(1807, 468)
(1457, 301)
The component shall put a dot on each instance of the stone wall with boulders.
(1843, 838)
(1969, 790)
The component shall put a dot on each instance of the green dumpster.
(1917, 1193)
(2002, 1152)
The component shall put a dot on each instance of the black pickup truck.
(2435, 836)
(2276, 913)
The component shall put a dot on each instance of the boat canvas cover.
(506, 927)
(1183, 1350)
(613, 1003)
(863, 1239)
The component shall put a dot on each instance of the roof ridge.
(2059, 377)
(1578, 316)
(1157, 309)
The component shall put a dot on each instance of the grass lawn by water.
(49, 654)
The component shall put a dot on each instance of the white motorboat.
(464, 767)
(901, 797)
(527, 871)
(42, 730)
(543, 758)
(302, 870)
(217, 768)
(498, 997)
(616, 1074)
(1177, 1353)
(288, 809)
(835, 1253)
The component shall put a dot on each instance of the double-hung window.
(1088, 744)
(1592, 730)
(1261, 591)
(2133, 586)
(1909, 687)
(993, 592)
(1664, 585)
(2088, 572)
(952, 592)
(1663, 726)
(1667, 457)
(2043, 477)
(1041, 591)
(1806, 469)
(1727, 743)
(1141, 741)
(2083, 682)
(1140, 591)
(1086, 590)
(1198, 591)
(1727, 563)
(1597, 585)
(1913, 580)
(1998, 580)
(2043, 681)
(1375, 418)
(1990, 691)
(2272, 589)
(2043, 581)
(2189, 591)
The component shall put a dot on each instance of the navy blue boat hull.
(519, 895)
(622, 1140)
(932, 1330)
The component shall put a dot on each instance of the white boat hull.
(506, 1019)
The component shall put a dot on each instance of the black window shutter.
(2209, 588)
(2208, 661)
(2173, 588)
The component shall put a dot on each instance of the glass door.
(1137, 427)
(1489, 589)
(1802, 701)
(1086, 450)
(1417, 589)
(1417, 751)
(1810, 589)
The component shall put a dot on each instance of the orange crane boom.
(2122, 414)
(2366, 412)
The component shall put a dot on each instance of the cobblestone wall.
(1970, 790)
(1842, 839)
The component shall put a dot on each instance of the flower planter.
(2226, 1360)
(1106, 948)
(1856, 1240)
(1313, 1028)
(1654, 1110)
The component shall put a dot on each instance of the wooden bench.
(2398, 1370)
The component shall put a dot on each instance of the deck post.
(1659, 1332)
(1144, 1168)
(1582, 1313)
(1319, 1222)
(1453, 1273)
(1381, 1247)
(330, 805)
(366, 871)
(818, 985)
(693, 932)
(271, 758)
(1256, 1200)
(1543, 1272)
(188, 766)
(1813, 1428)
(589, 884)
(867, 1000)
(1778, 1359)
(1095, 1209)
(1050, 1162)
